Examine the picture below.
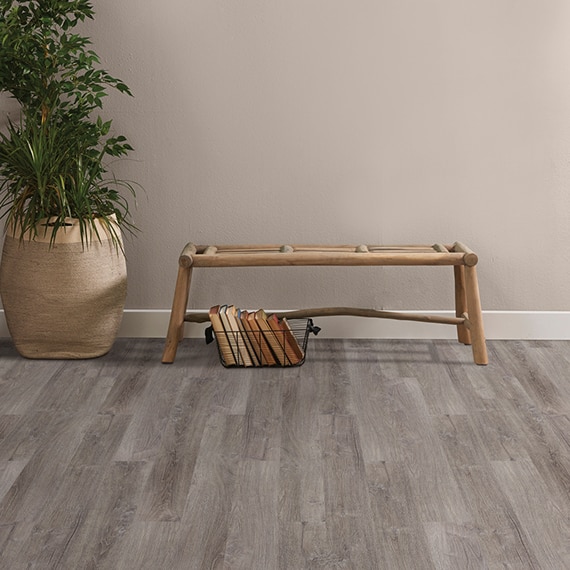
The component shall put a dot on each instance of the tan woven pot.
(63, 301)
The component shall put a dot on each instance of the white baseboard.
(499, 325)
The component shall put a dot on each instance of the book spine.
(279, 334)
(251, 342)
(236, 331)
(272, 340)
(293, 349)
(266, 353)
(230, 335)
(221, 337)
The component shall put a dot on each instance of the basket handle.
(313, 327)
(209, 332)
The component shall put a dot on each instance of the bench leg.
(179, 304)
(475, 316)
(463, 334)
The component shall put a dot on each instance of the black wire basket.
(264, 347)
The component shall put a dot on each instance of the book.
(241, 352)
(241, 339)
(221, 337)
(254, 338)
(251, 342)
(265, 350)
(271, 337)
(231, 339)
(293, 350)
(279, 334)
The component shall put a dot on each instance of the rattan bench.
(468, 319)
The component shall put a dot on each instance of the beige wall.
(383, 121)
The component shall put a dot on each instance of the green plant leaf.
(52, 160)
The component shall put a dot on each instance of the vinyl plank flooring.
(301, 473)
(22, 382)
(74, 387)
(347, 505)
(401, 535)
(143, 438)
(541, 383)
(147, 545)
(7, 423)
(377, 402)
(546, 442)
(549, 365)
(171, 474)
(101, 539)
(25, 503)
(211, 494)
(101, 440)
(42, 473)
(329, 372)
(9, 472)
(130, 370)
(492, 516)
(543, 524)
(475, 385)
(454, 546)
(263, 418)
(419, 452)
(499, 435)
(60, 519)
(441, 392)
(27, 433)
(372, 455)
(302, 483)
(252, 540)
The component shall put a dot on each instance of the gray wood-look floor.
(372, 455)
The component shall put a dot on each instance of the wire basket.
(264, 347)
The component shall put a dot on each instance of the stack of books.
(253, 338)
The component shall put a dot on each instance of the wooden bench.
(468, 319)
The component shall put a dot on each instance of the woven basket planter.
(63, 301)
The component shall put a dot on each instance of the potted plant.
(63, 272)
